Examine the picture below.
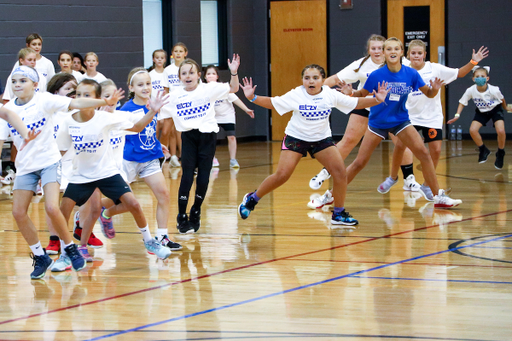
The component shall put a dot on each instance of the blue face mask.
(480, 81)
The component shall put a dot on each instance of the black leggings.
(197, 151)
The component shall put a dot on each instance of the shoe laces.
(36, 260)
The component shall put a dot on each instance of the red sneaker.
(93, 241)
(53, 247)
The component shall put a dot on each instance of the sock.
(160, 233)
(255, 197)
(62, 246)
(407, 170)
(182, 204)
(501, 151)
(37, 249)
(338, 210)
(65, 246)
(145, 234)
(54, 237)
(104, 215)
(482, 147)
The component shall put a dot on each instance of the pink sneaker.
(85, 253)
(107, 226)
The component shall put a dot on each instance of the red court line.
(239, 268)
(432, 264)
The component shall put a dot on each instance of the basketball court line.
(237, 269)
(434, 280)
(351, 275)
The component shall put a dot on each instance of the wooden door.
(298, 37)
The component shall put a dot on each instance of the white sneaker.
(443, 201)
(385, 186)
(317, 181)
(233, 163)
(61, 264)
(9, 178)
(174, 161)
(410, 184)
(320, 202)
(215, 162)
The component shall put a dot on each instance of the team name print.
(193, 110)
(314, 112)
(399, 88)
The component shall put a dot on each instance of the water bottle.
(452, 133)
(459, 133)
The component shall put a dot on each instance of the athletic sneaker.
(62, 264)
(233, 163)
(183, 226)
(443, 201)
(165, 241)
(343, 218)
(175, 162)
(157, 249)
(247, 205)
(427, 192)
(386, 185)
(321, 201)
(77, 261)
(194, 219)
(39, 189)
(93, 241)
(40, 264)
(53, 247)
(410, 184)
(85, 253)
(215, 162)
(484, 154)
(498, 164)
(107, 226)
(9, 178)
(317, 181)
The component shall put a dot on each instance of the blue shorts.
(47, 175)
(383, 133)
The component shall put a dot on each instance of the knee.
(473, 130)
(19, 214)
(231, 138)
(133, 205)
(52, 211)
(282, 176)
(162, 195)
(95, 211)
(500, 131)
(338, 172)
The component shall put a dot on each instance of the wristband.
(236, 74)
(254, 98)
(473, 62)
(457, 115)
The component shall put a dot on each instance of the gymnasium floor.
(406, 272)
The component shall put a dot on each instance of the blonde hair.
(396, 40)
(108, 82)
(373, 37)
(91, 54)
(416, 42)
(189, 62)
(24, 52)
(130, 78)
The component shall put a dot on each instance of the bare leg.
(232, 147)
(474, 131)
(287, 163)
(370, 142)
(134, 207)
(20, 203)
(434, 148)
(89, 213)
(165, 133)
(157, 184)
(59, 222)
(356, 128)
(500, 130)
(331, 159)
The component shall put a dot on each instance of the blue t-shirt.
(144, 146)
(393, 111)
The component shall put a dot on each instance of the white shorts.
(133, 169)
(4, 130)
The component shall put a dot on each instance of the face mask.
(480, 81)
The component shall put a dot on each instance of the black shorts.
(113, 188)
(430, 134)
(360, 112)
(304, 147)
(229, 128)
(496, 114)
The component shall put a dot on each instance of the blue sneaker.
(107, 226)
(40, 264)
(62, 264)
(154, 247)
(77, 261)
(246, 206)
(343, 218)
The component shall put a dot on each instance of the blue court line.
(292, 289)
(434, 280)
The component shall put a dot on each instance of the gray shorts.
(133, 169)
(47, 175)
(383, 133)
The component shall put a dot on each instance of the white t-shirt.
(484, 101)
(424, 111)
(159, 81)
(310, 120)
(9, 94)
(93, 156)
(173, 80)
(98, 78)
(38, 114)
(44, 66)
(350, 76)
(224, 109)
(195, 109)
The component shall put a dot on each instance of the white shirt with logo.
(98, 78)
(173, 80)
(158, 81)
(484, 101)
(224, 110)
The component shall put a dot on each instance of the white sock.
(37, 249)
(160, 233)
(145, 234)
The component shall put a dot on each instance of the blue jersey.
(144, 146)
(400, 84)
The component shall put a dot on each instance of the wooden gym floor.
(406, 272)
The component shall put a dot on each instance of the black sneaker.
(40, 264)
(247, 206)
(77, 261)
(194, 219)
(183, 225)
(498, 164)
(165, 241)
(484, 154)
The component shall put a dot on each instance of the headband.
(141, 71)
(28, 72)
(488, 68)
